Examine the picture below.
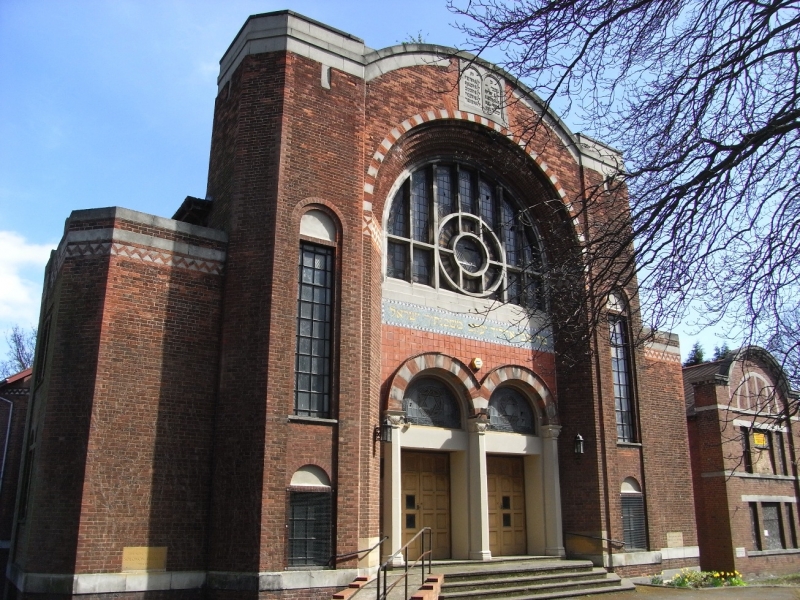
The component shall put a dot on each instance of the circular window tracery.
(451, 227)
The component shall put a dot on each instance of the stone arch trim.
(513, 373)
(431, 361)
(326, 206)
(443, 114)
(371, 226)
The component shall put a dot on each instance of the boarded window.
(773, 528)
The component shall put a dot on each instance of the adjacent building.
(744, 462)
(350, 337)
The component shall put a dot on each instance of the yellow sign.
(759, 440)
(144, 558)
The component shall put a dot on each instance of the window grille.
(314, 317)
(623, 390)
(509, 411)
(453, 228)
(430, 402)
(633, 527)
(310, 526)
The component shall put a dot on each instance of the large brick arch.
(441, 114)
(527, 379)
(456, 372)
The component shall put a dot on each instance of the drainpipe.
(5, 446)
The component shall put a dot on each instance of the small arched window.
(755, 393)
(452, 227)
(428, 401)
(510, 411)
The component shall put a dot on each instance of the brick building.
(315, 355)
(14, 391)
(744, 463)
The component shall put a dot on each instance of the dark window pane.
(423, 266)
(634, 532)
(398, 216)
(411, 521)
(506, 520)
(465, 191)
(313, 349)
(397, 260)
(411, 501)
(754, 522)
(487, 203)
(421, 206)
(506, 502)
(444, 192)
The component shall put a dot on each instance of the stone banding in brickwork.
(542, 396)
(477, 392)
(395, 134)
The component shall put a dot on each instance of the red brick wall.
(128, 400)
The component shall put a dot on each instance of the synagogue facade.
(351, 337)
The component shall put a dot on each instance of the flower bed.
(701, 579)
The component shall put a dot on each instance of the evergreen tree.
(696, 355)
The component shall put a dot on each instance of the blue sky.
(110, 103)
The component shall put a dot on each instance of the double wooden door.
(506, 484)
(426, 500)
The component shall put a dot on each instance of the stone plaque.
(144, 558)
(674, 539)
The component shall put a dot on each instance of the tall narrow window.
(620, 369)
(792, 527)
(314, 317)
(754, 523)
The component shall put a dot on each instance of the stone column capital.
(395, 418)
(478, 424)
(551, 431)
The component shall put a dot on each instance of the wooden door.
(426, 500)
(506, 484)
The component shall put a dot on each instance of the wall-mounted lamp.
(578, 444)
(383, 432)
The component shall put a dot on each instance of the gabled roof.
(16, 377)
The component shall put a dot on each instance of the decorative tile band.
(463, 325)
(120, 243)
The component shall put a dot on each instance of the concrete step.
(522, 579)
(528, 578)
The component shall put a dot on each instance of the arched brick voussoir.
(453, 369)
(458, 115)
(527, 378)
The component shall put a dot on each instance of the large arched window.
(428, 401)
(509, 411)
(453, 227)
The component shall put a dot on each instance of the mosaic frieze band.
(463, 325)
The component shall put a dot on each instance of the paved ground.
(727, 593)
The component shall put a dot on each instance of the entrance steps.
(525, 578)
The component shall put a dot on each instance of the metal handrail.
(404, 550)
(334, 559)
(595, 537)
